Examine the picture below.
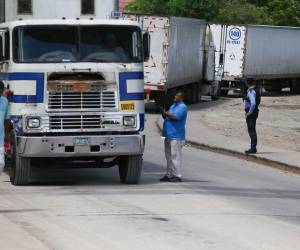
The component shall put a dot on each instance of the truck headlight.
(33, 122)
(129, 121)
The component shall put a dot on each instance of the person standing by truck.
(252, 101)
(4, 120)
(174, 133)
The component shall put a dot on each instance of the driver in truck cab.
(4, 124)
(111, 51)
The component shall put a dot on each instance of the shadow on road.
(13, 211)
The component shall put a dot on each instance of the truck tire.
(195, 91)
(20, 166)
(224, 92)
(130, 169)
(225, 85)
(188, 92)
(199, 93)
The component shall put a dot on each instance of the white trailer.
(75, 86)
(268, 54)
(181, 58)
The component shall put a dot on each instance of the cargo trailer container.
(182, 57)
(269, 54)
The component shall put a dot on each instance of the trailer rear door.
(235, 44)
(156, 68)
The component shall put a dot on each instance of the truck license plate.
(82, 141)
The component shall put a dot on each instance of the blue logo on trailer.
(235, 34)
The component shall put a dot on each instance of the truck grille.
(82, 101)
(82, 122)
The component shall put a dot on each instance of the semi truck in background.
(268, 54)
(75, 84)
(181, 57)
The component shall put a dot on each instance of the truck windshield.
(58, 43)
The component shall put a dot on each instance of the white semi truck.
(182, 57)
(269, 54)
(76, 85)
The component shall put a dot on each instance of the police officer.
(252, 100)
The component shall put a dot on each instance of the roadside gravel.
(278, 123)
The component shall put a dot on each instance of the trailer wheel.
(224, 92)
(130, 169)
(195, 91)
(20, 166)
(199, 92)
(224, 88)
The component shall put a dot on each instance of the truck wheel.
(130, 169)
(225, 85)
(20, 166)
(224, 92)
(195, 90)
(159, 98)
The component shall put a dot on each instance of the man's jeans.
(251, 124)
(173, 152)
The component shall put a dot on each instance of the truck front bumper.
(89, 146)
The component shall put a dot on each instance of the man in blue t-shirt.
(3, 122)
(174, 133)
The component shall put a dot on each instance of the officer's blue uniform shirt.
(250, 102)
(175, 130)
(3, 116)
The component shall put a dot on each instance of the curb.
(236, 154)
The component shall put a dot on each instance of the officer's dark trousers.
(251, 124)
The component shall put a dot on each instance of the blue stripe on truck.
(142, 122)
(38, 77)
(123, 78)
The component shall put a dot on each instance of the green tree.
(207, 9)
(204, 9)
(284, 12)
(153, 7)
(242, 12)
(274, 12)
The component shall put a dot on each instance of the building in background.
(85, 9)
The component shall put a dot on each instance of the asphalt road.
(223, 203)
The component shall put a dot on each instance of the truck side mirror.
(146, 46)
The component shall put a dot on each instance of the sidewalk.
(199, 135)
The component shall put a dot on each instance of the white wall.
(52, 9)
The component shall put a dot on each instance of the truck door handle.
(80, 70)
